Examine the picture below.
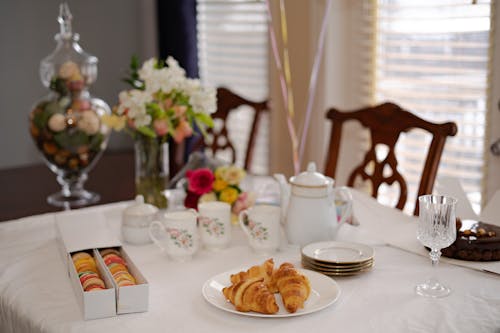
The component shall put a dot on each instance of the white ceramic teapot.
(308, 207)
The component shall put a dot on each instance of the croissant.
(264, 271)
(251, 295)
(293, 287)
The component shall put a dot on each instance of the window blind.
(232, 52)
(433, 58)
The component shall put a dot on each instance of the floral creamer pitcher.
(308, 207)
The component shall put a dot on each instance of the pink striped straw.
(284, 87)
(313, 80)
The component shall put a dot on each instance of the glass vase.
(151, 170)
(66, 125)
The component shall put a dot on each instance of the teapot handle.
(346, 212)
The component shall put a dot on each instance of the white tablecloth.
(36, 295)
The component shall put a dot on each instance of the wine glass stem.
(434, 254)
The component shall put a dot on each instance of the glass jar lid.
(68, 68)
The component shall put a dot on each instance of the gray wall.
(112, 30)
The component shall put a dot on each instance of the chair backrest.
(227, 101)
(386, 122)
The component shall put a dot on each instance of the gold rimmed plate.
(337, 269)
(339, 272)
(320, 264)
(331, 252)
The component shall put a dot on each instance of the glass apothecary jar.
(66, 124)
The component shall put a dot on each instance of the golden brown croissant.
(264, 271)
(293, 287)
(251, 295)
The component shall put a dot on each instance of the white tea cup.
(261, 224)
(214, 220)
(176, 234)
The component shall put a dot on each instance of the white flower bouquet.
(163, 102)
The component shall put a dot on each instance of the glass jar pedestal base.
(72, 194)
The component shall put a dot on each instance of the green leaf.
(133, 74)
(160, 64)
(146, 131)
(136, 84)
(155, 111)
(201, 127)
(134, 63)
(205, 119)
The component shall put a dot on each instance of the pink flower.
(200, 181)
(244, 201)
(173, 232)
(182, 131)
(167, 103)
(160, 126)
(180, 110)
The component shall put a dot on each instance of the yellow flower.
(219, 185)
(114, 121)
(229, 195)
(234, 175)
(220, 172)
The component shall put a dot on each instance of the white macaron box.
(88, 231)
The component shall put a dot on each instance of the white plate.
(338, 252)
(340, 272)
(324, 292)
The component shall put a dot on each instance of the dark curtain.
(177, 33)
(177, 38)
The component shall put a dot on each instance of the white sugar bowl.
(136, 220)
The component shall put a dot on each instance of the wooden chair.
(386, 122)
(227, 101)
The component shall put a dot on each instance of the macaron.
(88, 275)
(123, 276)
(117, 266)
(93, 281)
(113, 268)
(125, 283)
(113, 258)
(80, 264)
(85, 267)
(108, 251)
(81, 255)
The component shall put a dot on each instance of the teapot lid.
(139, 208)
(311, 177)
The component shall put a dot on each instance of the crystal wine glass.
(436, 230)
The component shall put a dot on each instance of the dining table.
(36, 294)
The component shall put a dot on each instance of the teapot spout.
(284, 195)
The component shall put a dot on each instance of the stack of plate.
(337, 258)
